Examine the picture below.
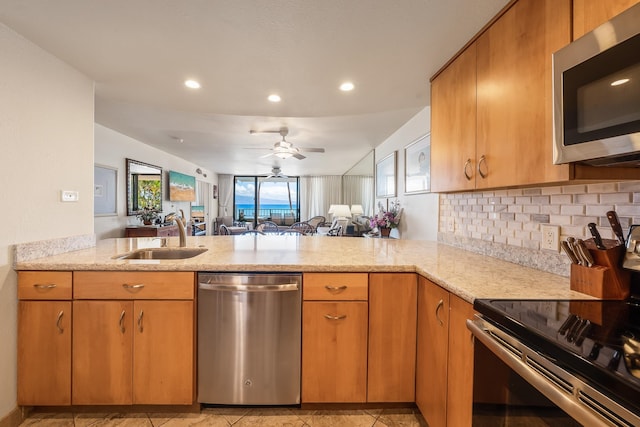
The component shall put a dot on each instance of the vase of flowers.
(147, 215)
(385, 220)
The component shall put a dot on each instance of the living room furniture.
(151, 231)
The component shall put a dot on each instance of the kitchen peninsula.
(401, 273)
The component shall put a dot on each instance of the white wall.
(46, 132)
(420, 217)
(111, 149)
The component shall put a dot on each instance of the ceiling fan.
(284, 149)
(276, 173)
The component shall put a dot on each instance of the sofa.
(361, 225)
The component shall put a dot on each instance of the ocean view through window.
(258, 199)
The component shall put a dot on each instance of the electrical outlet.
(69, 196)
(451, 224)
(550, 237)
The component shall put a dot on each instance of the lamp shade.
(342, 211)
(356, 210)
(332, 208)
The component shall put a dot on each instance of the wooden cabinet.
(491, 107)
(453, 125)
(588, 14)
(44, 338)
(460, 363)
(133, 335)
(151, 231)
(392, 337)
(334, 338)
(432, 352)
(444, 370)
(514, 94)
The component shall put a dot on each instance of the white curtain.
(225, 195)
(358, 190)
(317, 193)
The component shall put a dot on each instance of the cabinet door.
(392, 337)
(432, 352)
(44, 353)
(163, 352)
(334, 352)
(453, 125)
(515, 94)
(102, 352)
(460, 368)
(588, 14)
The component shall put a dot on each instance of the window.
(258, 198)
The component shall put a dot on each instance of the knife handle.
(584, 252)
(567, 250)
(614, 221)
(596, 235)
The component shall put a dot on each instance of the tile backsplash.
(506, 223)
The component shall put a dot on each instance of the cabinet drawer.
(45, 285)
(335, 286)
(133, 285)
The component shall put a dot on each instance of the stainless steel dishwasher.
(249, 338)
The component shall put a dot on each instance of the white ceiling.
(139, 52)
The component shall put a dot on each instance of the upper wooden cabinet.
(453, 125)
(588, 14)
(514, 94)
(492, 108)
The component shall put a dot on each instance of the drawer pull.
(339, 317)
(336, 289)
(138, 286)
(49, 286)
(482, 160)
(140, 320)
(466, 167)
(58, 320)
(121, 322)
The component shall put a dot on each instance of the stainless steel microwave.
(596, 95)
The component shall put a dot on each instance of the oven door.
(515, 384)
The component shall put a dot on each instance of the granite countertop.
(466, 274)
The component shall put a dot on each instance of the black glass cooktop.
(598, 341)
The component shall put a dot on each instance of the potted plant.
(147, 215)
(386, 220)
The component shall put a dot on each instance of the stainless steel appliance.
(596, 93)
(568, 361)
(249, 335)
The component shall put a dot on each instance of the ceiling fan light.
(283, 154)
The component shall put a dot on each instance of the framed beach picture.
(386, 177)
(182, 188)
(417, 166)
(105, 181)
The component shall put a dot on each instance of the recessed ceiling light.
(192, 84)
(274, 98)
(619, 82)
(346, 86)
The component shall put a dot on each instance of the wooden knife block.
(606, 279)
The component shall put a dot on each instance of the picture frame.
(105, 183)
(386, 176)
(417, 166)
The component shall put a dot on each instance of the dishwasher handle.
(248, 288)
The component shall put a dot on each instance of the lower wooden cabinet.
(44, 337)
(44, 353)
(432, 352)
(444, 370)
(392, 337)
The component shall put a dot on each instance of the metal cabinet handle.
(466, 168)
(438, 307)
(482, 160)
(58, 320)
(335, 289)
(140, 316)
(339, 317)
(138, 286)
(121, 322)
(49, 286)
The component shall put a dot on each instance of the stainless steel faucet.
(182, 231)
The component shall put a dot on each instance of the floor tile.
(49, 420)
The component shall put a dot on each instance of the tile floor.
(237, 417)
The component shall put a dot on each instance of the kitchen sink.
(163, 253)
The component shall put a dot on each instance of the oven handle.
(559, 397)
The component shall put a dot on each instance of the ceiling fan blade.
(299, 156)
(266, 155)
(312, 150)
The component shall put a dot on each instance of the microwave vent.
(631, 160)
